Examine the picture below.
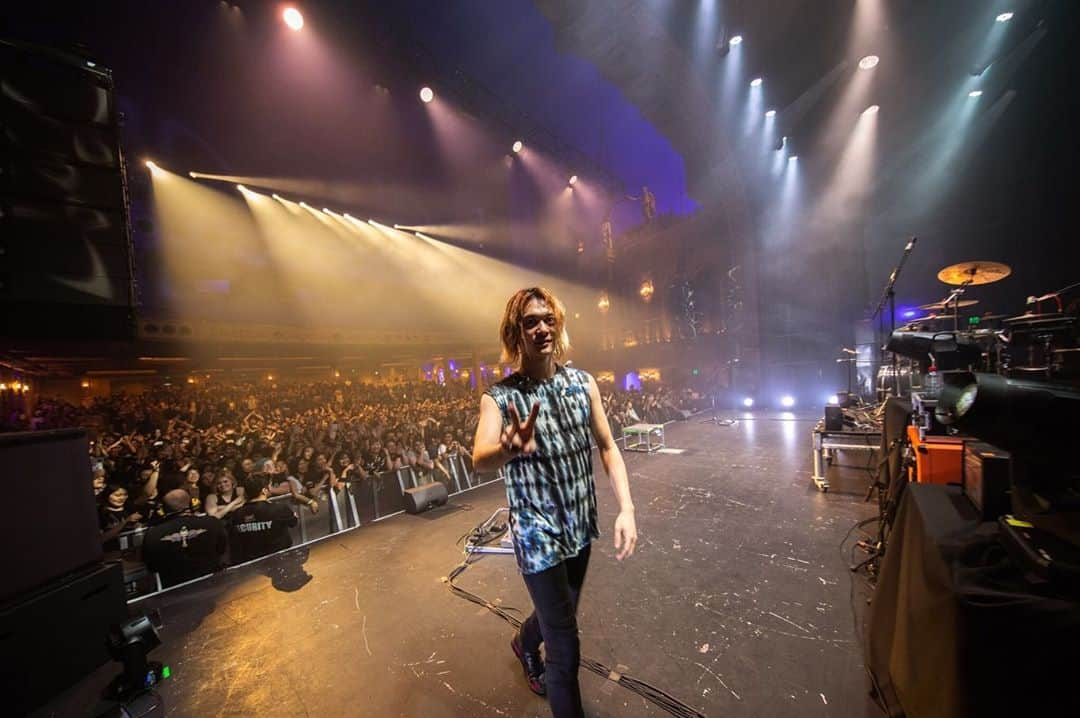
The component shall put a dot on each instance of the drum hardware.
(945, 304)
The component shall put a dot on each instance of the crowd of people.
(195, 463)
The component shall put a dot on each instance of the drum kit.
(1043, 342)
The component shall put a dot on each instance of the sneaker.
(533, 666)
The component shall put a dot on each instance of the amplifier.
(834, 418)
(986, 479)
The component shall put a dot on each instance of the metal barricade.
(355, 504)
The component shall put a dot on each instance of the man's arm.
(625, 525)
(488, 451)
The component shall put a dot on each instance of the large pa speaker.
(50, 470)
(65, 251)
(57, 599)
(424, 497)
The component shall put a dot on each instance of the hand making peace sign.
(517, 438)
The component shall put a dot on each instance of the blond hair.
(510, 331)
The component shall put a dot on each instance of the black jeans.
(553, 622)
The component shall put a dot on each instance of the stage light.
(748, 402)
(975, 93)
(909, 314)
(869, 62)
(834, 400)
(756, 82)
(787, 401)
(1033, 418)
(304, 205)
(792, 158)
(275, 196)
(242, 188)
(871, 110)
(426, 94)
(151, 165)
(1004, 17)
(293, 18)
(573, 179)
(517, 146)
(770, 113)
(736, 40)
(324, 209)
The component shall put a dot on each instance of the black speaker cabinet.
(50, 470)
(424, 497)
(66, 267)
(834, 418)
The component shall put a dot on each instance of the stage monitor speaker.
(424, 497)
(65, 251)
(834, 418)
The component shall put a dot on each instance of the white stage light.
(748, 402)
(869, 62)
(736, 40)
(787, 401)
(293, 18)
(518, 146)
(756, 82)
(975, 93)
(1004, 17)
(426, 94)
(834, 400)
(871, 110)
(770, 113)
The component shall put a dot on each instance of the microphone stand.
(888, 296)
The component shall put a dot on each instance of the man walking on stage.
(549, 484)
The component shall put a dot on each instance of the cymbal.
(950, 305)
(989, 317)
(974, 273)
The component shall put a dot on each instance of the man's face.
(538, 330)
(99, 482)
(247, 465)
(193, 477)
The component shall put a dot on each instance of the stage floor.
(737, 602)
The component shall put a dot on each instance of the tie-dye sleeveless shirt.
(551, 491)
